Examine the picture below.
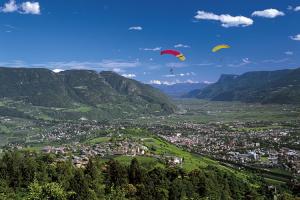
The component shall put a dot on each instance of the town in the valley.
(258, 144)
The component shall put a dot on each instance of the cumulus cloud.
(135, 28)
(57, 70)
(297, 9)
(129, 75)
(289, 53)
(23, 8)
(181, 46)
(30, 8)
(10, 6)
(160, 82)
(184, 74)
(156, 82)
(268, 13)
(151, 49)
(225, 19)
(296, 37)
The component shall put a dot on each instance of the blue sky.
(126, 36)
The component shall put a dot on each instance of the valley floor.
(245, 139)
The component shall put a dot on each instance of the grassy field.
(158, 146)
(274, 182)
(194, 110)
(97, 140)
(81, 109)
(212, 111)
(190, 161)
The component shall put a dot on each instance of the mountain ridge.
(179, 89)
(281, 87)
(43, 87)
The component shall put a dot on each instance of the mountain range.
(281, 87)
(179, 89)
(43, 87)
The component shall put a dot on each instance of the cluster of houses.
(239, 142)
(80, 153)
(68, 131)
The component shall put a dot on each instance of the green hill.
(280, 87)
(73, 88)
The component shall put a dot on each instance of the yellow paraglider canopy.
(219, 47)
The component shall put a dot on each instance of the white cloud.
(290, 7)
(57, 70)
(159, 82)
(30, 8)
(246, 60)
(129, 75)
(181, 46)
(226, 20)
(289, 53)
(190, 81)
(176, 65)
(10, 6)
(135, 28)
(117, 70)
(118, 66)
(156, 82)
(113, 65)
(151, 49)
(180, 75)
(208, 82)
(268, 13)
(169, 75)
(296, 37)
(23, 8)
(297, 8)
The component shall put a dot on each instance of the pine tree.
(135, 172)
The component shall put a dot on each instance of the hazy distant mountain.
(43, 87)
(282, 86)
(179, 89)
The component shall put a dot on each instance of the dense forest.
(32, 176)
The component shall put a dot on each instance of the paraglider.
(179, 55)
(219, 47)
(172, 71)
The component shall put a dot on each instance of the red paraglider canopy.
(172, 52)
(179, 55)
